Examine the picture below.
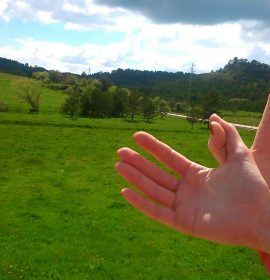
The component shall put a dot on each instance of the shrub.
(3, 107)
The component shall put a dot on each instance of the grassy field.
(61, 215)
(241, 117)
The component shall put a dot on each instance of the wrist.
(263, 230)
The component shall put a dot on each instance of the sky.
(103, 35)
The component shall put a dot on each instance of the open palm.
(225, 205)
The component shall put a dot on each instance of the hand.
(260, 149)
(228, 205)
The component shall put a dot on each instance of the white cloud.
(146, 45)
(154, 47)
(75, 26)
(45, 17)
(3, 7)
(72, 8)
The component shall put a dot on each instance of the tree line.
(87, 97)
(240, 85)
(100, 98)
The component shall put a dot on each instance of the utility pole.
(190, 81)
(191, 113)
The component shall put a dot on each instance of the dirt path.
(237, 125)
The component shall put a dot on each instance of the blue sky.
(73, 35)
(54, 32)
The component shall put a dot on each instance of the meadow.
(61, 214)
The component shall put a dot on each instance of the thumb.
(216, 143)
(234, 146)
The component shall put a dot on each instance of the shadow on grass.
(132, 121)
(137, 121)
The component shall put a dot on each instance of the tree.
(210, 104)
(133, 103)
(84, 75)
(194, 114)
(41, 76)
(101, 103)
(161, 106)
(105, 83)
(55, 76)
(69, 79)
(30, 92)
(73, 101)
(149, 107)
(120, 101)
(86, 101)
(179, 107)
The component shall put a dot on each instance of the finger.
(263, 133)
(266, 113)
(217, 142)
(162, 214)
(149, 169)
(165, 154)
(235, 147)
(146, 185)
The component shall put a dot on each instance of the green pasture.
(241, 117)
(61, 214)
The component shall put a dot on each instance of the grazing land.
(61, 215)
(241, 117)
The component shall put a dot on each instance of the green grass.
(241, 117)
(61, 215)
(51, 100)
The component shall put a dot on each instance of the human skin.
(229, 204)
(260, 148)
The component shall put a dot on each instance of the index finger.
(165, 154)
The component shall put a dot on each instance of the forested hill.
(239, 79)
(16, 68)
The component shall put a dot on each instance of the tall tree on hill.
(211, 104)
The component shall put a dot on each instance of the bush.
(30, 92)
(3, 107)
(58, 86)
